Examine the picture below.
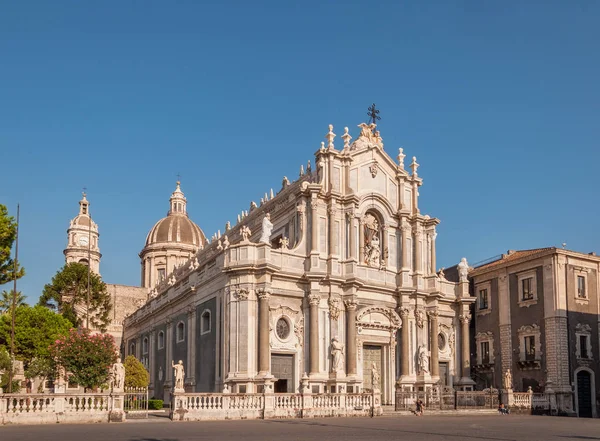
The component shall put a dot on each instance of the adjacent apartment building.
(537, 313)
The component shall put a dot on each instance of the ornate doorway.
(584, 394)
(444, 373)
(282, 368)
(371, 354)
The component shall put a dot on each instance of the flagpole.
(13, 307)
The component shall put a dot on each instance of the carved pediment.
(378, 317)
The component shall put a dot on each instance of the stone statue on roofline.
(463, 270)
(267, 228)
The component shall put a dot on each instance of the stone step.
(391, 412)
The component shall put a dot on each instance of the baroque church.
(326, 280)
(173, 240)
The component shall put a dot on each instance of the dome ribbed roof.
(177, 226)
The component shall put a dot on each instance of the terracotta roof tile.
(510, 257)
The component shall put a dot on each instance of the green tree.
(4, 359)
(6, 301)
(88, 358)
(41, 367)
(136, 374)
(67, 293)
(36, 329)
(5, 366)
(8, 234)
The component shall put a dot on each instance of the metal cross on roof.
(373, 114)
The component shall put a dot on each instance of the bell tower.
(82, 239)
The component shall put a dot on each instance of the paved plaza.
(436, 428)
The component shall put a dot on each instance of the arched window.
(161, 340)
(180, 332)
(374, 254)
(83, 261)
(132, 349)
(205, 324)
(145, 345)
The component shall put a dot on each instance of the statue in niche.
(423, 359)
(337, 355)
(372, 243)
(267, 227)
(463, 270)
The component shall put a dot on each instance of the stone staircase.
(389, 411)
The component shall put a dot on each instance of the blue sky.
(499, 101)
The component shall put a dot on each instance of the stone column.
(465, 346)
(332, 239)
(263, 332)
(352, 241)
(169, 349)
(313, 300)
(191, 347)
(152, 360)
(351, 337)
(361, 243)
(404, 365)
(433, 257)
(418, 252)
(384, 244)
(434, 331)
(314, 203)
(406, 248)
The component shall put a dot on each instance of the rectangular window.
(581, 287)
(485, 352)
(161, 274)
(483, 299)
(530, 348)
(527, 285)
(583, 348)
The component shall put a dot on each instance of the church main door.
(371, 354)
(282, 368)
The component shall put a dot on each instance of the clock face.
(83, 240)
(283, 328)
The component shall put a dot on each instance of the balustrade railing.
(521, 399)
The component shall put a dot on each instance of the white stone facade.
(350, 267)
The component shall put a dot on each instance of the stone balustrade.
(60, 408)
(521, 399)
(209, 406)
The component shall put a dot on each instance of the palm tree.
(6, 301)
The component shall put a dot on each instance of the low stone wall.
(224, 406)
(60, 408)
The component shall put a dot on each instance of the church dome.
(177, 227)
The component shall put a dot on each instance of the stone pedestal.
(337, 380)
(377, 410)
(507, 398)
(117, 409)
(424, 382)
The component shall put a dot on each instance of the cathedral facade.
(330, 278)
